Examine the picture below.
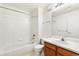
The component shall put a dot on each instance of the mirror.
(66, 24)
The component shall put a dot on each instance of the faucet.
(62, 39)
(63, 35)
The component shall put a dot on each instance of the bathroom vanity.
(53, 48)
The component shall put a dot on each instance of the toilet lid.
(39, 46)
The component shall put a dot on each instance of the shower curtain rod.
(13, 10)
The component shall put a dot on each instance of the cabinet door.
(46, 51)
(49, 49)
(49, 52)
(52, 53)
(65, 52)
(59, 54)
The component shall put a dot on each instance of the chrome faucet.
(62, 39)
(62, 33)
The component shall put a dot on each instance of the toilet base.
(38, 50)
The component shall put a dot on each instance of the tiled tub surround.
(18, 50)
(70, 44)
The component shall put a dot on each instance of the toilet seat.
(39, 46)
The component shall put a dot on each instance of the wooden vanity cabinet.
(58, 54)
(65, 52)
(53, 50)
(49, 49)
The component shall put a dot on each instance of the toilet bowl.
(38, 49)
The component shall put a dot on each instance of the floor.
(33, 53)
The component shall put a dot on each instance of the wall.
(14, 28)
(46, 23)
(66, 24)
(47, 32)
(34, 25)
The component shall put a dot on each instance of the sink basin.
(67, 41)
(63, 42)
(59, 41)
(72, 40)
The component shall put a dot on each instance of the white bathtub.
(18, 50)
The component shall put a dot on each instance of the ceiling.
(25, 6)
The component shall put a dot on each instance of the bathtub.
(18, 50)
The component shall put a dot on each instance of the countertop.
(74, 47)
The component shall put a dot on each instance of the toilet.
(38, 49)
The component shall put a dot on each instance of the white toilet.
(38, 49)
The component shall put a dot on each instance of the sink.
(63, 42)
(59, 41)
(66, 41)
(72, 40)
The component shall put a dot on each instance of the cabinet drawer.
(65, 52)
(51, 46)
